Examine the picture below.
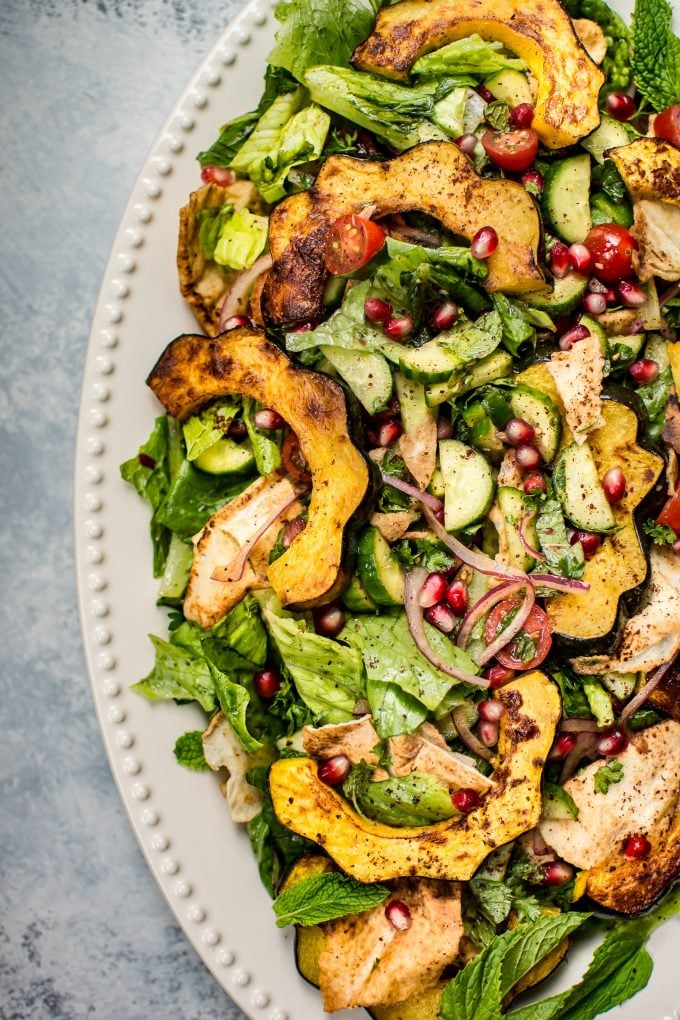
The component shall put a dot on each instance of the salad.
(415, 496)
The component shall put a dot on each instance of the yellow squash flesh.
(650, 168)
(454, 849)
(539, 31)
(194, 370)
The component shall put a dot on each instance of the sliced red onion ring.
(583, 748)
(478, 561)
(523, 525)
(472, 742)
(235, 294)
(565, 584)
(669, 294)
(575, 725)
(234, 570)
(512, 630)
(414, 616)
(501, 591)
(410, 490)
(642, 695)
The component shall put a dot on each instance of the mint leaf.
(656, 53)
(494, 898)
(322, 898)
(610, 773)
(188, 751)
(660, 534)
(624, 983)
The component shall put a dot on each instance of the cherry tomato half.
(667, 125)
(352, 242)
(511, 150)
(611, 247)
(536, 629)
(671, 512)
(292, 459)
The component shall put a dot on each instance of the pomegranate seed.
(293, 529)
(329, 620)
(488, 733)
(527, 456)
(518, 431)
(217, 175)
(433, 590)
(557, 873)
(632, 295)
(391, 411)
(389, 432)
(268, 419)
(532, 177)
(441, 617)
(398, 915)
(563, 745)
(644, 371)
(399, 327)
(491, 710)
(146, 461)
(484, 243)
(611, 297)
(302, 327)
(444, 315)
(636, 848)
(465, 800)
(595, 304)
(580, 258)
(572, 336)
(614, 485)
(620, 106)
(444, 428)
(486, 94)
(589, 541)
(468, 143)
(334, 771)
(560, 262)
(597, 287)
(521, 116)
(535, 483)
(377, 310)
(237, 429)
(234, 321)
(612, 741)
(267, 682)
(457, 597)
(498, 676)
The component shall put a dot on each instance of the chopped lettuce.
(204, 429)
(655, 397)
(415, 799)
(449, 113)
(560, 556)
(193, 497)
(242, 239)
(473, 340)
(150, 474)
(518, 330)
(266, 443)
(243, 631)
(313, 32)
(234, 698)
(470, 55)
(180, 671)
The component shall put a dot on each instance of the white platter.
(200, 860)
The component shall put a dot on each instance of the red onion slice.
(512, 630)
(410, 490)
(235, 294)
(523, 525)
(583, 748)
(555, 583)
(478, 561)
(482, 606)
(642, 695)
(234, 570)
(416, 623)
(669, 294)
(472, 742)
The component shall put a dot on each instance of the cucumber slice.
(566, 295)
(543, 416)
(596, 330)
(487, 370)
(225, 457)
(609, 135)
(379, 571)
(558, 805)
(578, 489)
(356, 598)
(484, 437)
(430, 363)
(513, 505)
(366, 373)
(436, 486)
(566, 198)
(469, 484)
(411, 395)
(512, 87)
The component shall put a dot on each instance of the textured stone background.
(85, 86)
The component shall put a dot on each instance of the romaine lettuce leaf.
(242, 239)
(314, 32)
(179, 672)
(266, 444)
(150, 474)
(243, 631)
(470, 55)
(193, 497)
(204, 429)
(518, 331)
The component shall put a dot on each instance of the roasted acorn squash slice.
(194, 370)
(588, 624)
(539, 31)
(454, 849)
(650, 168)
(434, 178)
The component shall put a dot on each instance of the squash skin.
(193, 370)
(454, 849)
(590, 623)
(539, 31)
(436, 178)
